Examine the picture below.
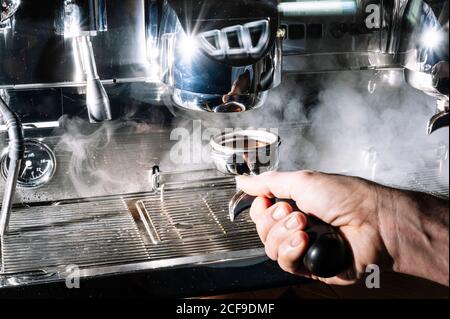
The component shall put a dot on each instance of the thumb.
(302, 187)
(284, 185)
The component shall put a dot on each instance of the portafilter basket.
(253, 152)
(246, 152)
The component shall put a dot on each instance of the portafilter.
(253, 152)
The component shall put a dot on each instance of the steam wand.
(16, 153)
(97, 100)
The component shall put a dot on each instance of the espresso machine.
(92, 92)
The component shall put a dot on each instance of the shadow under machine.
(84, 88)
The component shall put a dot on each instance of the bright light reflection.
(188, 47)
(314, 7)
(431, 38)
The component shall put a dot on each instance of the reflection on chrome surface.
(8, 9)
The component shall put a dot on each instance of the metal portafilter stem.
(252, 152)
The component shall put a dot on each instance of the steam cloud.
(329, 122)
(360, 123)
(100, 163)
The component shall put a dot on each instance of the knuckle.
(301, 219)
(257, 209)
(274, 214)
(306, 174)
(265, 224)
(269, 174)
(296, 221)
(284, 205)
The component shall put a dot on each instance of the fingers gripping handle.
(327, 254)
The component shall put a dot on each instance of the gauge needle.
(27, 166)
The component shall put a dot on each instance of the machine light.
(315, 7)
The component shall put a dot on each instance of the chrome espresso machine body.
(96, 85)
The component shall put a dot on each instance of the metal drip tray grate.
(430, 181)
(193, 221)
(182, 226)
(83, 234)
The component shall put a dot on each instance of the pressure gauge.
(37, 168)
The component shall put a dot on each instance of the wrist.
(392, 206)
(414, 229)
(387, 213)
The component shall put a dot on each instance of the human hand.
(350, 204)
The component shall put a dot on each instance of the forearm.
(415, 230)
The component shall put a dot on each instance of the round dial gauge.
(37, 168)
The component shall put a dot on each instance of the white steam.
(331, 123)
(359, 123)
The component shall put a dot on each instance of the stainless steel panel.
(85, 169)
(340, 35)
(31, 51)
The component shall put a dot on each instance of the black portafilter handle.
(328, 253)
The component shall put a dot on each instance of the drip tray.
(178, 227)
(191, 222)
